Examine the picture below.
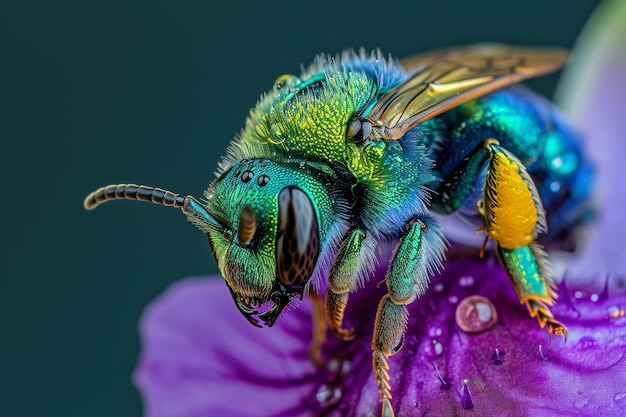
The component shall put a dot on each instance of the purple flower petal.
(201, 358)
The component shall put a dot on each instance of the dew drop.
(466, 281)
(323, 393)
(333, 365)
(434, 348)
(435, 331)
(476, 314)
(327, 395)
(438, 287)
(453, 299)
(594, 297)
(578, 294)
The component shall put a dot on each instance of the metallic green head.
(270, 237)
(266, 223)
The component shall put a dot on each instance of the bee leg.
(391, 320)
(528, 270)
(417, 254)
(342, 280)
(513, 216)
(319, 330)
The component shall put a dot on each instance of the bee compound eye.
(359, 131)
(297, 238)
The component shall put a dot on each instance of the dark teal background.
(93, 93)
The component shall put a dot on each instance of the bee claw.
(387, 409)
(344, 334)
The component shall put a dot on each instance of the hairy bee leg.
(343, 279)
(416, 256)
(528, 270)
(389, 328)
(319, 330)
(513, 216)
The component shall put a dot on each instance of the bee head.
(266, 223)
(269, 241)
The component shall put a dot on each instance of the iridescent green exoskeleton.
(359, 151)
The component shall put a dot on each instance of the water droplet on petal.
(323, 393)
(476, 314)
(438, 287)
(327, 395)
(453, 299)
(578, 294)
(332, 365)
(435, 331)
(594, 297)
(466, 281)
(434, 348)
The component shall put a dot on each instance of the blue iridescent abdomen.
(531, 129)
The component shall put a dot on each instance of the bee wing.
(446, 78)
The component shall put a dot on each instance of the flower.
(201, 358)
(470, 347)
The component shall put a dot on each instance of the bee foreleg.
(416, 256)
(342, 280)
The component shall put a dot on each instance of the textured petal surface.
(201, 358)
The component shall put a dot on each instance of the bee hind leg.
(529, 273)
(513, 216)
(417, 255)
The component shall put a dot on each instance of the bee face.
(268, 247)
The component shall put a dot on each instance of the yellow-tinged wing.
(444, 79)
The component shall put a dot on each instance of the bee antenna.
(195, 212)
